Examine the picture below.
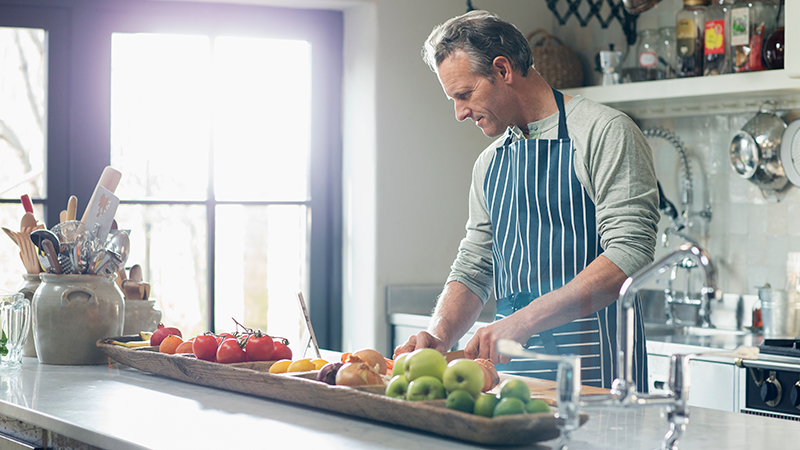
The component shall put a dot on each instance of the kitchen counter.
(122, 408)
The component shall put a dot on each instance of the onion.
(327, 374)
(358, 374)
(490, 376)
(372, 357)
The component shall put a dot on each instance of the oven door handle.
(769, 365)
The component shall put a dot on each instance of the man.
(562, 209)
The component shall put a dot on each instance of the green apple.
(509, 405)
(397, 387)
(514, 387)
(485, 403)
(424, 362)
(425, 387)
(465, 375)
(537, 405)
(397, 369)
(460, 401)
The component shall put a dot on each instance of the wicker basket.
(557, 64)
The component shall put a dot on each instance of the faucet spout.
(625, 312)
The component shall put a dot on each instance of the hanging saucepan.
(755, 149)
(638, 6)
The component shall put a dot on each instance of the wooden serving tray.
(367, 403)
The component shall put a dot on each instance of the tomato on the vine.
(282, 351)
(230, 351)
(205, 347)
(259, 347)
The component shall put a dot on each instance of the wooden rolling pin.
(109, 179)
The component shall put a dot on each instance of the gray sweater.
(613, 162)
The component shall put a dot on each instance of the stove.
(772, 387)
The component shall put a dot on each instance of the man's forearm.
(457, 309)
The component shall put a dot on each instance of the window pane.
(23, 113)
(160, 128)
(261, 264)
(169, 242)
(262, 119)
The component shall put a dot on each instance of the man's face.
(475, 96)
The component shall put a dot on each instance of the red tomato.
(281, 351)
(259, 348)
(205, 347)
(230, 352)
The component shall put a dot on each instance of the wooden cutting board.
(370, 403)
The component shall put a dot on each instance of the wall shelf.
(721, 94)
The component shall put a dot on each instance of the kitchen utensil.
(52, 256)
(62, 216)
(609, 63)
(27, 252)
(135, 273)
(778, 309)
(109, 179)
(119, 243)
(27, 221)
(26, 203)
(313, 338)
(790, 152)
(754, 153)
(638, 6)
(72, 206)
(12, 235)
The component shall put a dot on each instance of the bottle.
(752, 21)
(774, 45)
(690, 27)
(647, 50)
(667, 56)
(716, 49)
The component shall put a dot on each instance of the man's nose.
(462, 112)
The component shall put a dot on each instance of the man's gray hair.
(483, 36)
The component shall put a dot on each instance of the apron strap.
(562, 116)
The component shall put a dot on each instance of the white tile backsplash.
(749, 235)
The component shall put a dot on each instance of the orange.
(301, 365)
(185, 347)
(169, 344)
(280, 366)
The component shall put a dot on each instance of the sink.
(660, 329)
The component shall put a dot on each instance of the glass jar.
(716, 52)
(666, 56)
(647, 50)
(689, 30)
(752, 21)
(774, 45)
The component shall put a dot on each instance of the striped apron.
(544, 233)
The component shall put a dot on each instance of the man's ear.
(503, 69)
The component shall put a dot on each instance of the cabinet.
(721, 94)
(713, 383)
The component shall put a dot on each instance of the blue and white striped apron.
(544, 233)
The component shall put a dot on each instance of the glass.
(667, 56)
(690, 45)
(169, 243)
(641, 63)
(15, 314)
(717, 51)
(23, 112)
(262, 119)
(160, 118)
(752, 21)
(774, 46)
(261, 263)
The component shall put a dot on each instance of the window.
(224, 121)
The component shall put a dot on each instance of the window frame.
(79, 108)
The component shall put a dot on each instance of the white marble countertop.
(122, 408)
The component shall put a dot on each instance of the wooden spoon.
(72, 207)
(28, 221)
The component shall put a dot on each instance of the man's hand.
(423, 339)
(483, 343)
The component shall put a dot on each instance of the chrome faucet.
(624, 393)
